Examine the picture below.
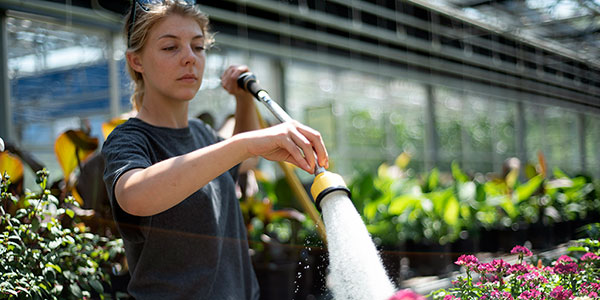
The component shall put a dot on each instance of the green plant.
(45, 254)
(439, 208)
(273, 214)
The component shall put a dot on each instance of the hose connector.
(326, 182)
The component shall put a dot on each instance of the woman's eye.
(199, 48)
(170, 48)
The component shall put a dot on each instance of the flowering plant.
(568, 277)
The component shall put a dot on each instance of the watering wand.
(325, 182)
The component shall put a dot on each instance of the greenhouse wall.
(374, 104)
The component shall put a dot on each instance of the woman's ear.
(134, 61)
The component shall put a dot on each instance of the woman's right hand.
(290, 141)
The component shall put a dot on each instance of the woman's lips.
(188, 78)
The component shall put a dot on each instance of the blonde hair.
(143, 23)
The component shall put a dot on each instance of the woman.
(171, 180)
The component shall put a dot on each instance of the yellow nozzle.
(325, 183)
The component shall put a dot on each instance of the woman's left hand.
(229, 80)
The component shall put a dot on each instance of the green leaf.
(57, 289)
(370, 210)
(525, 191)
(558, 173)
(401, 203)
(70, 213)
(439, 200)
(13, 246)
(76, 290)
(433, 180)
(35, 224)
(97, 286)
(458, 174)
(53, 266)
(55, 243)
(451, 211)
(578, 249)
(509, 208)
(53, 199)
(21, 213)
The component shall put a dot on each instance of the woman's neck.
(172, 114)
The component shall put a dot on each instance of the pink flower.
(589, 289)
(467, 261)
(570, 268)
(531, 295)
(521, 250)
(499, 265)
(406, 294)
(518, 269)
(561, 294)
(450, 297)
(563, 259)
(589, 257)
(485, 268)
(501, 295)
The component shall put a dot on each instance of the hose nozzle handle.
(248, 81)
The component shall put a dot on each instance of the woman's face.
(173, 58)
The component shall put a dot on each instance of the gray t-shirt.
(195, 250)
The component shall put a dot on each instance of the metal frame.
(6, 131)
(428, 61)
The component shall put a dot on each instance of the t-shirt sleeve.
(124, 151)
(214, 137)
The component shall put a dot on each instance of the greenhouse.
(465, 133)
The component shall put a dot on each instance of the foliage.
(272, 214)
(569, 276)
(44, 253)
(397, 205)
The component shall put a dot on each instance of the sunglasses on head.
(145, 5)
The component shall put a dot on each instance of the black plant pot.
(428, 258)
(276, 281)
(300, 274)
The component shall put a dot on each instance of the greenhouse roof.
(570, 26)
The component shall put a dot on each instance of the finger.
(317, 144)
(302, 142)
(289, 145)
(238, 70)
(231, 76)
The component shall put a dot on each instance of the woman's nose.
(189, 56)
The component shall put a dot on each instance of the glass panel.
(372, 118)
(553, 132)
(477, 131)
(58, 81)
(592, 145)
(449, 105)
(407, 119)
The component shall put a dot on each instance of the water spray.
(356, 271)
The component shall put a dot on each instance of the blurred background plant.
(440, 208)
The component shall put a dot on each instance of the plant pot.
(428, 258)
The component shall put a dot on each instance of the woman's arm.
(149, 191)
(145, 192)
